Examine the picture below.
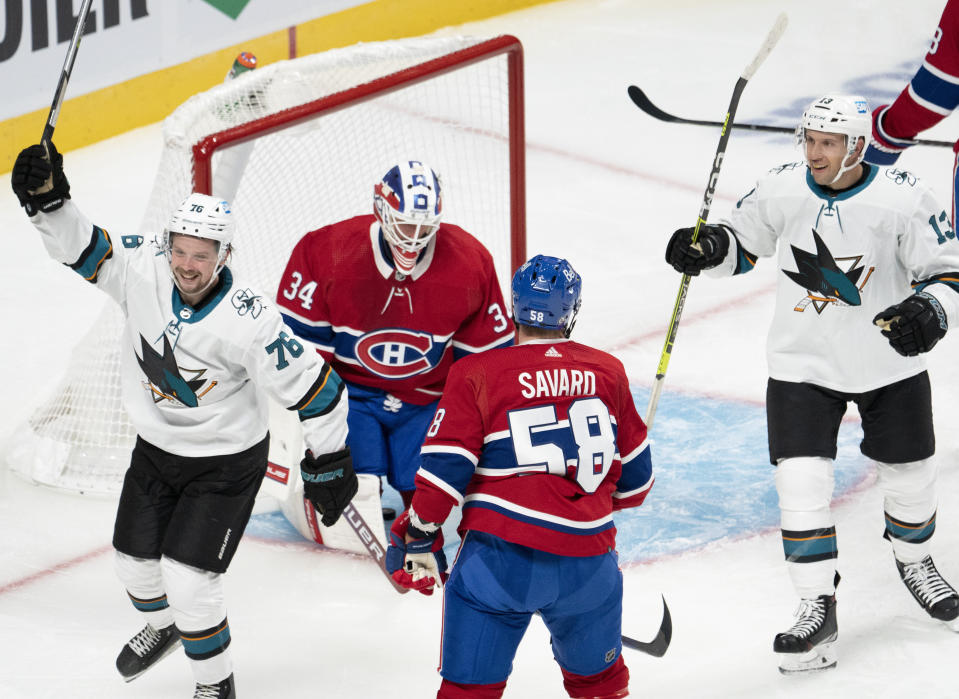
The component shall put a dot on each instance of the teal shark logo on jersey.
(824, 281)
(166, 381)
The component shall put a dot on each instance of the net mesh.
(285, 182)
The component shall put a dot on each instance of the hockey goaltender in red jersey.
(540, 443)
(391, 299)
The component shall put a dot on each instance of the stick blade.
(660, 644)
(640, 99)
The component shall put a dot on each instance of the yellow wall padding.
(149, 98)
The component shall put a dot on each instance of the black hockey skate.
(221, 690)
(811, 642)
(931, 591)
(145, 649)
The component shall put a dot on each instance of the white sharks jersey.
(843, 259)
(194, 378)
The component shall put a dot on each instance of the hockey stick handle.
(65, 73)
(772, 38)
(640, 99)
(365, 534)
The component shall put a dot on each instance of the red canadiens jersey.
(386, 330)
(933, 93)
(540, 443)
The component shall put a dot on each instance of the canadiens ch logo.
(395, 353)
(824, 281)
(165, 379)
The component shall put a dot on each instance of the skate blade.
(822, 657)
(172, 647)
(952, 625)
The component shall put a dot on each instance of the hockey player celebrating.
(391, 299)
(199, 350)
(540, 443)
(848, 238)
(931, 95)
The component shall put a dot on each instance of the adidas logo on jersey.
(551, 352)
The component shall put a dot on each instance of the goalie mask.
(843, 114)
(201, 216)
(408, 205)
(546, 294)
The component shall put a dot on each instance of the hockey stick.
(657, 647)
(771, 39)
(54, 114)
(65, 73)
(643, 102)
(365, 534)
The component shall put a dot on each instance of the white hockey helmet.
(848, 115)
(203, 216)
(409, 195)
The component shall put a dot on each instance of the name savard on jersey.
(557, 382)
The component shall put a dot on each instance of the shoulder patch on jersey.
(901, 176)
(785, 167)
(132, 241)
(247, 303)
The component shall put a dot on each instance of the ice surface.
(606, 184)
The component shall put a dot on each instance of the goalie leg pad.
(304, 517)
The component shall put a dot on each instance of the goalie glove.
(329, 482)
(915, 325)
(691, 258)
(38, 179)
(420, 563)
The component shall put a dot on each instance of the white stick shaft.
(771, 40)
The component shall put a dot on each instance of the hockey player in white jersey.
(200, 351)
(869, 281)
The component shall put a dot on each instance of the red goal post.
(295, 145)
(508, 46)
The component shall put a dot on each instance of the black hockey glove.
(691, 258)
(913, 326)
(38, 180)
(329, 482)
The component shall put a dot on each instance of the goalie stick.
(771, 39)
(657, 647)
(643, 102)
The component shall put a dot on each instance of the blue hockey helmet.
(546, 294)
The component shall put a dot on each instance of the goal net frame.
(79, 440)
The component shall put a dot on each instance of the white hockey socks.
(909, 501)
(144, 585)
(805, 487)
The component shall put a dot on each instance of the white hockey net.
(296, 145)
